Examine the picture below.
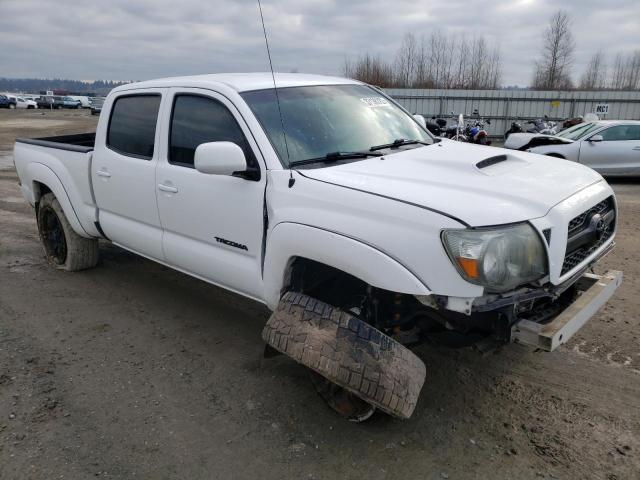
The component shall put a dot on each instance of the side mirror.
(219, 158)
(596, 138)
(420, 119)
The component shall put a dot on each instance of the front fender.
(290, 240)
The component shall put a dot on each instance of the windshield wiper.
(397, 143)
(334, 157)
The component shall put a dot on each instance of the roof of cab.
(241, 82)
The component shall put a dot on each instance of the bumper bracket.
(594, 290)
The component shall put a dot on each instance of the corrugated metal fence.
(504, 106)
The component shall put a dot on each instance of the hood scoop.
(500, 164)
(487, 162)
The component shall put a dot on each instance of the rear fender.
(288, 241)
(41, 174)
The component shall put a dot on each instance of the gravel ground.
(132, 370)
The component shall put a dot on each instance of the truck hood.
(474, 184)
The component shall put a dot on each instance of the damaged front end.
(543, 317)
(526, 141)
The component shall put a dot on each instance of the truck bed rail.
(80, 142)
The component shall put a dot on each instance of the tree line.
(553, 70)
(35, 85)
(440, 60)
(436, 61)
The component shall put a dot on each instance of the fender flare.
(288, 241)
(39, 172)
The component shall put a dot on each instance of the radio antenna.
(275, 89)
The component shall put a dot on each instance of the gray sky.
(142, 39)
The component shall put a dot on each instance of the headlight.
(499, 258)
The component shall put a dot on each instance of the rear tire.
(63, 247)
(11, 106)
(348, 352)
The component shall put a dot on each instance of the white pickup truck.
(331, 204)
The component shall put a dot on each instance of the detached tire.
(347, 352)
(63, 247)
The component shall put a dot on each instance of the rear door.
(213, 224)
(124, 172)
(617, 154)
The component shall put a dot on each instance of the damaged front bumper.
(593, 291)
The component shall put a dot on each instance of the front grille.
(585, 236)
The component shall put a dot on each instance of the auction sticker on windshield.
(375, 102)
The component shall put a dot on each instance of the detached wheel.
(63, 247)
(356, 368)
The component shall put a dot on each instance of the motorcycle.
(516, 127)
(437, 126)
(476, 133)
(543, 126)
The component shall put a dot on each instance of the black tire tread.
(348, 352)
(82, 253)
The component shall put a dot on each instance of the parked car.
(50, 101)
(69, 102)
(362, 233)
(611, 147)
(96, 105)
(7, 102)
(24, 103)
(83, 99)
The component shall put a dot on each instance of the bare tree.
(625, 73)
(436, 61)
(406, 61)
(553, 70)
(370, 69)
(595, 76)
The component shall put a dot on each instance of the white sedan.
(611, 147)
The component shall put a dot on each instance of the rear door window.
(132, 127)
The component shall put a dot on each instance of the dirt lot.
(132, 370)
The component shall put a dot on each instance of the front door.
(212, 224)
(123, 173)
(617, 154)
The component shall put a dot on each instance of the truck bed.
(63, 164)
(79, 142)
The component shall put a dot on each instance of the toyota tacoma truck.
(327, 201)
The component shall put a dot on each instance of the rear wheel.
(64, 248)
(12, 106)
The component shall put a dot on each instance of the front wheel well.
(384, 309)
(323, 282)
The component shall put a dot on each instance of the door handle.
(167, 188)
(103, 173)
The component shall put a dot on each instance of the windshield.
(319, 120)
(578, 131)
